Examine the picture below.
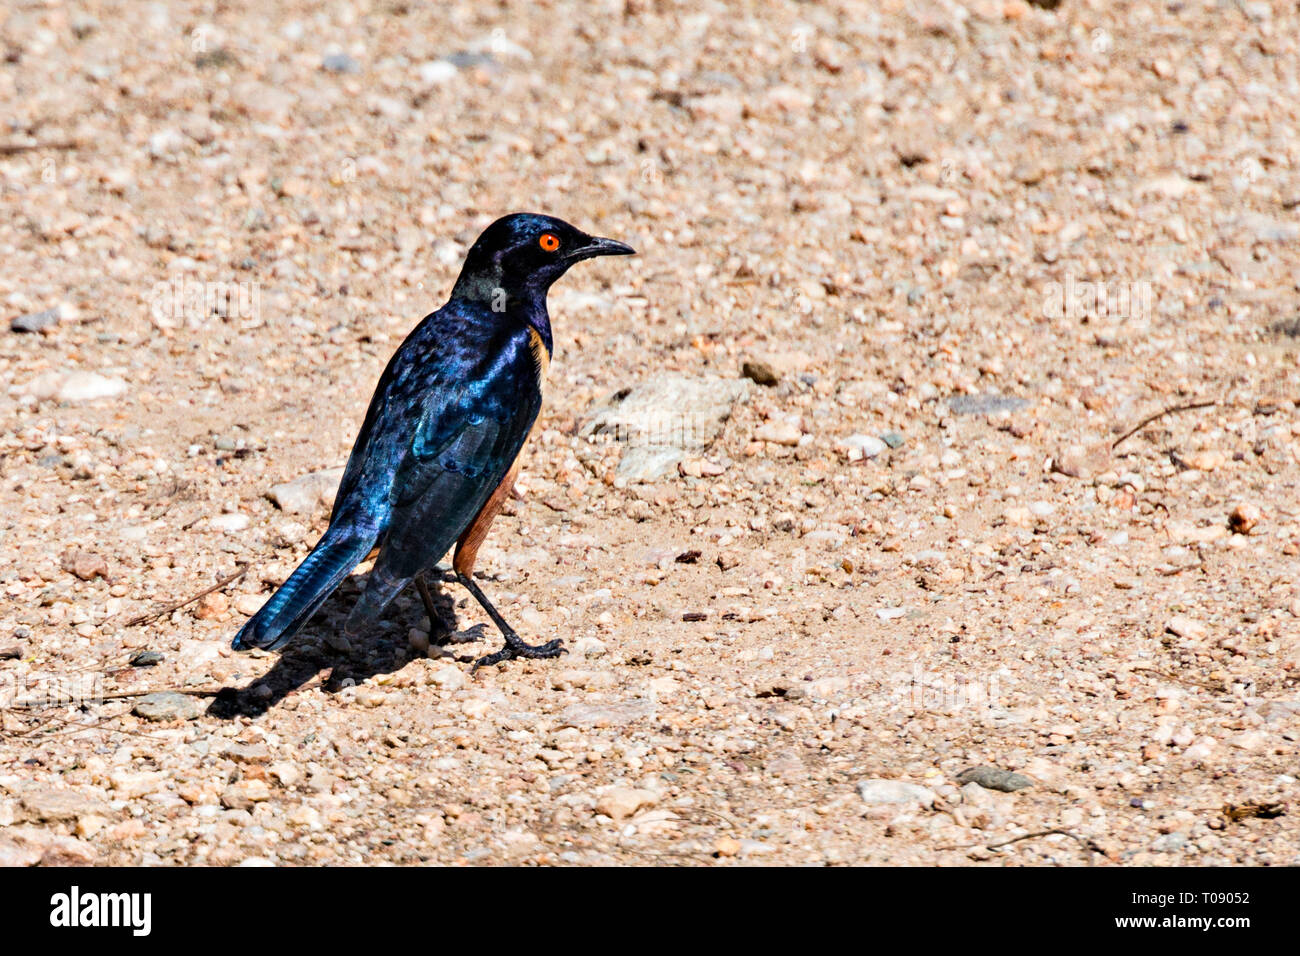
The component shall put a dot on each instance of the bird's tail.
(333, 559)
(381, 587)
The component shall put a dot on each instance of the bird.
(438, 451)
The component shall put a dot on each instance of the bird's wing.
(456, 447)
(454, 465)
(407, 388)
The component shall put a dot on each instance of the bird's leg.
(434, 618)
(515, 646)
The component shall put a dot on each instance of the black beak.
(600, 247)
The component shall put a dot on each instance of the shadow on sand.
(383, 650)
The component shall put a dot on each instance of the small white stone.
(437, 72)
(859, 447)
(88, 386)
(779, 433)
(165, 142)
(590, 647)
(1187, 627)
(878, 791)
(618, 803)
(229, 523)
(449, 678)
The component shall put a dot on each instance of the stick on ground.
(1084, 842)
(176, 606)
(1156, 417)
(13, 149)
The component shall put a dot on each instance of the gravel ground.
(960, 251)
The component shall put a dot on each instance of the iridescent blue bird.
(439, 449)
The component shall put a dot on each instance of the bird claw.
(517, 649)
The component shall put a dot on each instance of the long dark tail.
(333, 559)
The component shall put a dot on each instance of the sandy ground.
(996, 236)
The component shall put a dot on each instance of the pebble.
(168, 705)
(231, 523)
(589, 647)
(616, 714)
(243, 794)
(449, 678)
(987, 404)
(437, 72)
(338, 641)
(44, 806)
(88, 386)
(34, 321)
(85, 565)
(249, 604)
(779, 432)
(339, 63)
(880, 792)
(663, 688)
(699, 468)
(659, 421)
(29, 846)
(128, 785)
(1243, 518)
(287, 773)
(1083, 461)
(308, 493)
(1169, 842)
(165, 143)
(305, 817)
(287, 534)
(1187, 627)
(212, 607)
(760, 373)
(146, 658)
(1183, 532)
(973, 795)
(1209, 460)
(618, 803)
(991, 778)
(89, 825)
(246, 753)
(726, 846)
(859, 447)
(16, 849)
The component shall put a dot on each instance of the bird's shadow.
(383, 649)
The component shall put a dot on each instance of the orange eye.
(549, 241)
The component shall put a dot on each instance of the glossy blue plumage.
(448, 418)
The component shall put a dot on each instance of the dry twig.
(176, 606)
(1086, 843)
(1156, 417)
(13, 149)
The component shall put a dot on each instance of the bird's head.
(520, 255)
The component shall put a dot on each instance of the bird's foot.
(516, 648)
